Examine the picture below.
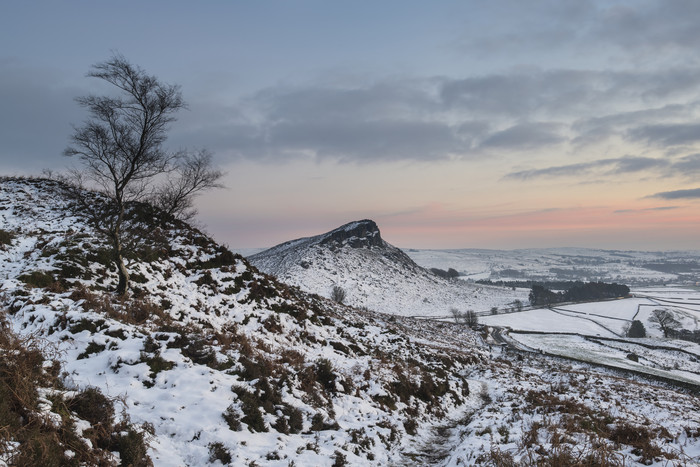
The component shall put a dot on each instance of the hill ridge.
(374, 273)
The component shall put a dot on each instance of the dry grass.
(30, 434)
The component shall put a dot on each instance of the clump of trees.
(121, 147)
(542, 296)
(518, 304)
(468, 317)
(449, 274)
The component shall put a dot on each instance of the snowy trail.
(442, 439)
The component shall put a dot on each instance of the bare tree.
(469, 317)
(338, 294)
(666, 320)
(121, 148)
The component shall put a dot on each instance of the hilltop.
(211, 361)
(374, 274)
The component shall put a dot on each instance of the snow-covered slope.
(213, 355)
(216, 363)
(374, 274)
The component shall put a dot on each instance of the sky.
(453, 124)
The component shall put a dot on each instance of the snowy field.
(585, 264)
(595, 332)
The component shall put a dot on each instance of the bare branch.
(192, 175)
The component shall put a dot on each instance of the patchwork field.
(596, 332)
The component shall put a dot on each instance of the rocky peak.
(359, 234)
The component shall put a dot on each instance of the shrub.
(291, 421)
(338, 294)
(296, 419)
(224, 257)
(252, 416)
(157, 364)
(325, 374)
(133, 448)
(206, 279)
(232, 418)
(199, 353)
(92, 348)
(318, 423)
(339, 460)
(636, 329)
(269, 396)
(6, 237)
(93, 406)
(219, 452)
(37, 279)
(411, 426)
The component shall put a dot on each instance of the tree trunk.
(123, 285)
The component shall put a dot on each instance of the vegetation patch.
(92, 348)
(6, 237)
(40, 279)
(219, 452)
(29, 437)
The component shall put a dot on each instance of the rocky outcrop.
(359, 234)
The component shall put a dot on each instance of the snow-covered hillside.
(216, 363)
(374, 274)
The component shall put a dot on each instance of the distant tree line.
(449, 274)
(542, 296)
(527, 284)
(674, 268)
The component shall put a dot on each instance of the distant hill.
(374, 274)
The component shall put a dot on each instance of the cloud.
(365, 141)
(388, 121)
(434, 119)
(594, 129)
(519, 93)
(663, 26)
(660, 208)
(693, 193)
(666, 134)
(35, 118)
(601, 167)
(657, 31)
(689, 165)
(525, 136)
(443, 118)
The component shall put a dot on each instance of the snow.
(184, 400)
